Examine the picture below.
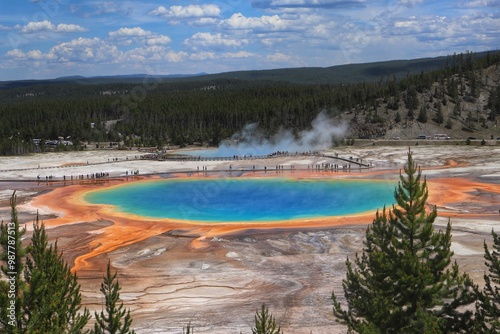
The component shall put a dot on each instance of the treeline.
(206, 112)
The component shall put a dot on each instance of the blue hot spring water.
(245, 199)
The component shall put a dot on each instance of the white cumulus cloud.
(17, 54)
(62, 27)
(139, 36)
(182, 12)
(263, 23)
(239, 54)
(85, 50)
(153, 53)
(47, 26)
(203, 55)
(278, 57)
(192, 14)
(130, 32)
(157, 40)
(208, 40)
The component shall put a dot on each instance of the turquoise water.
(245, 199)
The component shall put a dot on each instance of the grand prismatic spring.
(245, 199)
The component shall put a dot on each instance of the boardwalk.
(166, 157)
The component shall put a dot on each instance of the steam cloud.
(249, 142)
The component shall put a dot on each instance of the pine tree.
(115, 319)
(411, 101)
(265, 323)
(488, 306)
(410, 115)
(45, 292)
(53, 301)
(397, 119)
(403, 281)
(422, 115)
(12, 289)
(439, 119)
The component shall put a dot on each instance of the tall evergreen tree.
(439, 118)
(488, 306)
(45, 292)
(411, 101)
(53, 301)
(403, 281)
(422, 115)
(114, 319)
(265, 323)
(12, 289)
(397, 119)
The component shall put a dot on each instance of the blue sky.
(53, 38)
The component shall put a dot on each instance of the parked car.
(421, 137)
(441, 136)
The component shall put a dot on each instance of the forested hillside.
(463, 96)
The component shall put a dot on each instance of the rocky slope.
(465, 113)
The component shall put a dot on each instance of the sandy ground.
(215, 277)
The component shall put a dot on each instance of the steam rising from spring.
(248, 142)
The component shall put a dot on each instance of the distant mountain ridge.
(129, 76)
(339, 74)
(349, 73)
(96, 80)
